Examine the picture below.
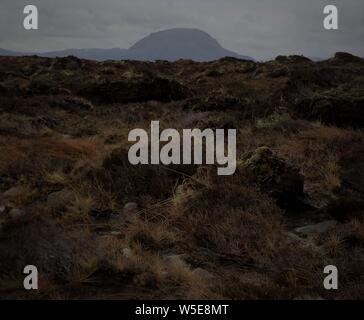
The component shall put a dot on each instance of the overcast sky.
(258, 28)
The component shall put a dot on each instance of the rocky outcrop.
(343, 109)
(345, 58)
(274, 176)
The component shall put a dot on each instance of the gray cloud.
(259, 28)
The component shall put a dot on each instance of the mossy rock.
(273, 175)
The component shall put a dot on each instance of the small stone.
(130, 208)
(317, 228)
(127, 253)
(59, 200)
(16, 213)
(176, 260)
(203, 274)
(115, 233)
(2, 209)
(12, 192)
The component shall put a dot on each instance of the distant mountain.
(171, 45)
(177, 44)
(4, 52)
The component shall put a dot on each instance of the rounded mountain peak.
(179, 43)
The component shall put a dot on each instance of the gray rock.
(2, 209)
(59, 200)
(115, 233)
(176, 260)
(127, 253)
(317, 228)
(130, 208)
(203, 274)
